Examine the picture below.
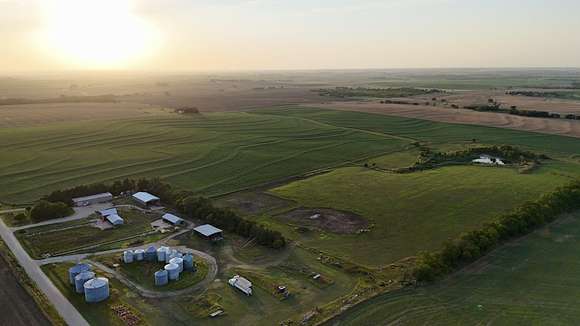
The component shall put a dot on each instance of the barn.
(115, 219)
(172, 219)
(208, 231)
(93, 199)
(146, 199)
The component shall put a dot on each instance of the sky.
(206, 35)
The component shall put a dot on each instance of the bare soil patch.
(327, 219)
(562, 127)
(252, 203)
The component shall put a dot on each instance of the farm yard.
(328, 180)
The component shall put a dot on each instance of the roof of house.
(96, 196)
(172, 218)
(145, 196)
(207, 230)
(108, 211)
(115, 219)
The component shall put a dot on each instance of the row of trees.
(472, 245)
(184, 201)
(226, 219)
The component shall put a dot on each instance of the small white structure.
(115, 219)
(172, 219)
(241, 284)
(486, 159)
(93, 199)
(146, 199)
(139, 254)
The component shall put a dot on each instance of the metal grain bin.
(188, 263)
(75, 270)
(96, 290)
(128, 256)
(161, 254)
(139, 254)
(173, 271)
(161, 278)
(81, 279)
(177, 261)
(151, 254)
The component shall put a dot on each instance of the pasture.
(532, 281)
(411, 212)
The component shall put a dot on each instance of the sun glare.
(97, 34)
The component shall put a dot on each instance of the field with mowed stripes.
(210, 154)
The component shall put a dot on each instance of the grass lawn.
(142, 273)
(417, 211)
(63, 237)
(532, 281)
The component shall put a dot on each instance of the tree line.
(473, 245)
(186, 202)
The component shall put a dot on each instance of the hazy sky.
(287, 34)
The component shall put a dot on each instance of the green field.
(64, 237)
(533, 281)
(416, 211)
(210, 154)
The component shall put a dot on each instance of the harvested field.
(17, 308)
(443, 114)
(327, 219)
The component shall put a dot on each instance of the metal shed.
(146, 199)
(175, 220)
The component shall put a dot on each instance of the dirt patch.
(562, 127)
(252, 203)
(326, 219)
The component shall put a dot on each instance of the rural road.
(66, 310)
(80, 213)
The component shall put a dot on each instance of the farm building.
(93, 199)
(241, 284)
(146, 199)
(115, 219)
(209, 231)
(107, 212)
(172, 219)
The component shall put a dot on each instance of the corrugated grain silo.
(81, 279)
(161, 254)
(173, 271)
(188, 263)
(151, 254)
(128, 256)
(161, 278)
(96, 290)
(75, 270)
(139, 254)
(177, 261)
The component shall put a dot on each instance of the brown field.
(38, 114)
(16, 306)
(444, 114)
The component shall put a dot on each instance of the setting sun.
(98, 34)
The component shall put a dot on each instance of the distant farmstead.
(210, 232)
(93, 199)
(172, 219)
(146, 199)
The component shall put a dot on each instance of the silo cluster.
(95, 289)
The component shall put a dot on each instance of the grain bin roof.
(207, 230)
(145, 197)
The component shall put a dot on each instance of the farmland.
(531, 281)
